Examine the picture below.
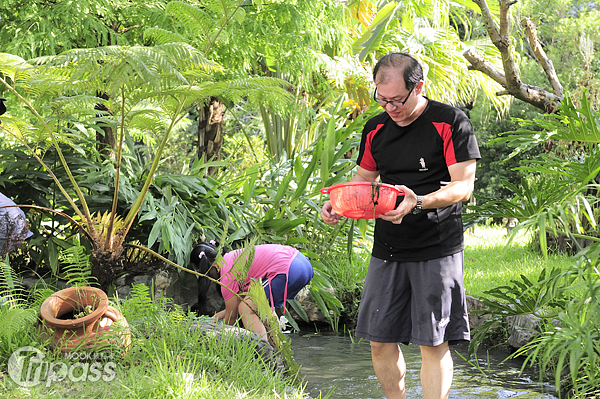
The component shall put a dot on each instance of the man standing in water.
(414, 288)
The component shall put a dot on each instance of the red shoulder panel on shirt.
(445, 133)
(367, 161)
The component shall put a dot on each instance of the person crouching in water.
(283, 270)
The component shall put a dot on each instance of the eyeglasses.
(395, 103)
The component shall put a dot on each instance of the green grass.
(490, 261)
(167, 359)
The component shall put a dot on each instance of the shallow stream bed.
(333, 362)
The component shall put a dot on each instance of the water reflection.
(332, 363)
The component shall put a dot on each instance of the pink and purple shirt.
(269, 261)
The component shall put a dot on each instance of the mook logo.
(27, 368)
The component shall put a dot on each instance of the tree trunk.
(106, 140)
(210, 130)
(105, 266)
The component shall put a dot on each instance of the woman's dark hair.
(410, 67)
(202, 257)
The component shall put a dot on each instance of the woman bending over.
(283, 269)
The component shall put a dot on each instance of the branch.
(478, 63)
(508, 62)
(488, 20)
(127, 29)
(509, 78)
(540, 55)
(75, 222)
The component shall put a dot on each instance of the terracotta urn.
(80, 317)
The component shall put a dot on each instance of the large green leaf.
(371, 40)
(581, 124)
(281, 226)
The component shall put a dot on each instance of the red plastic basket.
(362, 200)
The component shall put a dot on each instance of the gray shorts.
(418, 302)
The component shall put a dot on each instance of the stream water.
(332, 363)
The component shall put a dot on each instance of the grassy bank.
(168, 359)
(491, 261)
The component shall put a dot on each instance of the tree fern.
(208, 21)
(192, 17)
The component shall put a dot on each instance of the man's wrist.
(419, 206)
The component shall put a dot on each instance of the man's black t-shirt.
(418, 156)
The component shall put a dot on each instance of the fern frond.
(17, 127)
(148, 120)
(258, 296)
(162, 36)
(77, 266)
(185, 57)
(193, 18)
(15, 321)
(269, 92)
(242, 262)
(79, 103)
(39, 295)
(224, 8)
(15, 67)
(12, 293)
(102, 220)
(281, 344)
(140, 299)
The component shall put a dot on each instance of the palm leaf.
(371, 39)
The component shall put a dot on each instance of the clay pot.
(88, 331)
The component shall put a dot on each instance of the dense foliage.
(106, 98)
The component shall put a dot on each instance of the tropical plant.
(253, 40)
(572, 346)
(437, 33)
(135, 84)
(38, 28)
(561, 199)
(495, 166)
(560, 196)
